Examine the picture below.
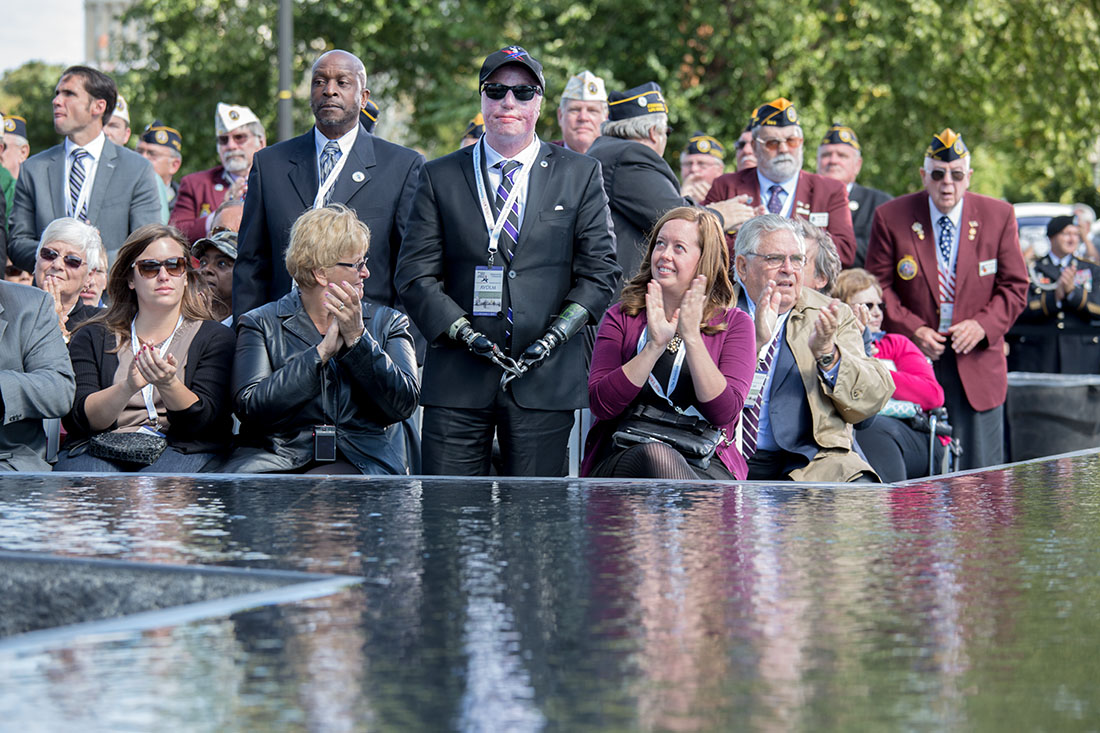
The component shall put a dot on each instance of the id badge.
(757, 387)
(150, 430)
(947, 312)
(488, 291)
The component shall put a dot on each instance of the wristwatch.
(825, 362)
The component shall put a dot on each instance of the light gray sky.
(45, 30)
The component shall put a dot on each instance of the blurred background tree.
(1015, 77)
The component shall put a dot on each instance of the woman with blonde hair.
(150, 369)
(674, 348)
(323, 379)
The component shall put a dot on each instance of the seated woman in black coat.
(153, 363)
(322, 380)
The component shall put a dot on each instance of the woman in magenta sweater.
(893, 448)
(675, 341)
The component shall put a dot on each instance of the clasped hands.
(342, 301)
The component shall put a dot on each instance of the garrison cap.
(947, 146)
(753, 120)
(703, 144)
(776, 113)
(511, 55)
(157, 133)
(122, 110)
(368, 116)
(586, 87)
(15, 125)
(476, 128)
(228, 117)
(641, 100)
(840, 134)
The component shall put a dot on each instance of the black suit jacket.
(565, 253)
(377, 181)
(1058, 338)
(640, 188)
(863, 201)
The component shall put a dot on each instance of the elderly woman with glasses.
(323, 379)
(150, 368)
(67, 253)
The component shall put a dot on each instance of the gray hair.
(257, 129)
(635, 128)
(827, 261)
(758, 128)
(17, 140)
(753, 230)
(83, 237)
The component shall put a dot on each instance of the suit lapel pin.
(853, 204)
(543, 164)
(357, 176)
(973, 231)
(801, 209)
(919, 230)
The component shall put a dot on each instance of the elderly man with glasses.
(509, 253)
(778, 185)
(954, 281)
(813, 378)
(238, 136)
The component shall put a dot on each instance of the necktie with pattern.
(751, 413)
(329, 155)
(76, 184)
(947, 273)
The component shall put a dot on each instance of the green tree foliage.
(27, 91)
(1014, 76)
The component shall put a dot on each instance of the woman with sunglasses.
(153, 362)
(67, 253)
(323, 379)
(675, 342)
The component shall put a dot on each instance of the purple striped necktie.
(509, 235)
(751, 413)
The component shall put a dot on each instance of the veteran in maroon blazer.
(777, 144)
(954, 289)
(200, 195)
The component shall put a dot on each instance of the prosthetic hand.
(571, 320)
(478, 343)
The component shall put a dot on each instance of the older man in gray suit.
(87, 176)
(36, 379)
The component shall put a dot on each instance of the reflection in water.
(968, 603)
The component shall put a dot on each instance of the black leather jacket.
(277, 377)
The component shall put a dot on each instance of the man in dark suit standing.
(778, 185)
(1059, 330)
(954, 281)
(839, 156)
(336, 162)
(87, 177)
(509, 253)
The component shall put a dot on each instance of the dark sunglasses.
(174, 266)
(956, 175)
(71, 261)
(522, 92)
(238, 137)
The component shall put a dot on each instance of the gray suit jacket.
(124, 197)
(36, 379)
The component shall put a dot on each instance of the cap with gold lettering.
(702, 144)
(15, 125)
(776, 113)
(476, 128)
(368, 115)
(840, 134)
(157, 133)
(946, 146)
(641, 100)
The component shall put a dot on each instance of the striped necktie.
(329, 155)
(76, 184)
(947, 273)
(509, 235)
(751, 413)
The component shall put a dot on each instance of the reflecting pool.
(965, 603)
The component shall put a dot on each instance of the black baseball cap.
(510, 55)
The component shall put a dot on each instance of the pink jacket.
(610, 393)
(914, 380)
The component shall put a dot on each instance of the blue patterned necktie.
(76, 184)
(947, 273)
(947, 230)
(329, 155)
(774, 204)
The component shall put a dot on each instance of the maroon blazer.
(610, 393)
(821, 194)
(200, 194)
(990, 281)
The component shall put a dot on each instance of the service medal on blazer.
(918, 230)
(907, 268)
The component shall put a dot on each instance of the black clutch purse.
(694, 438)
(141, 449)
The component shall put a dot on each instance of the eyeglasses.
(360, 265)
(238, 137)
(71, 261)
(774, 261)
(792, 143)
(522, 92)
(174, 266)
(956, 175)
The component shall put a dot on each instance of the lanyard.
(147, 390)
(673, 377)
(86, 186)
(330, 181)
(495, 226)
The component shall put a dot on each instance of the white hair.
(753, 230)
(83, 237)
(635, 128)
(928, 162)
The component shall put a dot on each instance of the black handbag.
(694, 438)
(140, 449)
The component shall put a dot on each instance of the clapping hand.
(691, 310)
(823, 334)
(342, 301)
(152, 368)
(661, 328)
(767, 314)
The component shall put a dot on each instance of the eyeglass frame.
(54, 254)
(144, 267)
(357, 266)
(775, 260)
(522, 92)
(958, 175)
(772, 146)
(238, 137)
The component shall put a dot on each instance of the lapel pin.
(919, 230)
(973, 231)
(543, 164)
(357, 176)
